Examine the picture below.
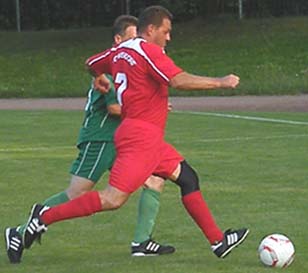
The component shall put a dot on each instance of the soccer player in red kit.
(142, 73)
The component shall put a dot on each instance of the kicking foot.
(232, 238)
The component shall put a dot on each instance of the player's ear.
(117, 39)
(150, 28)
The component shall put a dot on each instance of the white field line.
(234, 139)
(293, 122)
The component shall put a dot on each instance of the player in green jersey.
(96, 156)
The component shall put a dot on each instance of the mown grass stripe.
(34, 149)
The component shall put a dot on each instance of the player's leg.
(133, 165)
(93, 160)
(84, 205)
(127, 175)
(90, 164)
(148, 207)
(196, 206)
(13, 235)
(187, 179)
(85, 173)
(82, 179)
(78, 186)
(148, 204)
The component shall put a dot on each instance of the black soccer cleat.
(14, 245)
(35, 227)
(232, 238)
(150, 248)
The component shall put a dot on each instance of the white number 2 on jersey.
(121, 79)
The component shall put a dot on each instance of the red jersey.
(141, 73)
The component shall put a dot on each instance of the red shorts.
(141, 152)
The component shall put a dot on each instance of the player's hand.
(230, 81)
(102, 83)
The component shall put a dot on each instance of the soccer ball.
(276, 250)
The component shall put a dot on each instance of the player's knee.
(73, 193)
(155, 183)
(188, 179)
(116, 203)
(112, 203)
(112, 198)
(78, 186)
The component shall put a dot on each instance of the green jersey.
(98, 124)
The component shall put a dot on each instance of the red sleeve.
(100, 63)
(161, 67)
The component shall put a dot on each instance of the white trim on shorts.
(97, 160)
(83, 158)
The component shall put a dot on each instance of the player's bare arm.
(114, 109)
(188, 81)
(102, 83)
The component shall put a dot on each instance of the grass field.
(270, 56)
(253, 173)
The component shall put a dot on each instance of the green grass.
(270, 56)
(252, 174)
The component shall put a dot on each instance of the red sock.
(199, 211)
(87, 204)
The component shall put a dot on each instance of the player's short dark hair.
(153, 15)
(122, 23)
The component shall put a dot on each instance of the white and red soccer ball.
(276, 250)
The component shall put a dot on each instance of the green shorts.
(93, 160)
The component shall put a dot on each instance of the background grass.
(270, 56)
(252, 174)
